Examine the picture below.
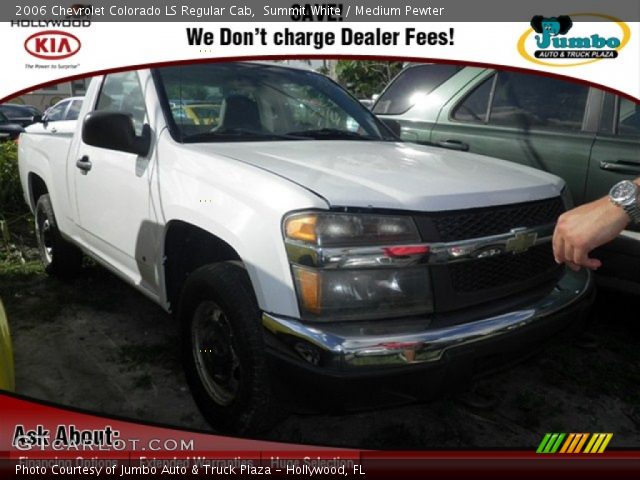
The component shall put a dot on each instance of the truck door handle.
(54, 130)
(84, 164)
(622, 166)
(454, 145)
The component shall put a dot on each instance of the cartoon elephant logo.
(550, 27)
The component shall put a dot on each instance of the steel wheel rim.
(45, 238)
(216, 361)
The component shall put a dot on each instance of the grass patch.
(11, 199)
(19, 260)
(17, 271)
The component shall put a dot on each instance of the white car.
(59, 119)
(307, 252)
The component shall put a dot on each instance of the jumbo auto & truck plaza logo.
(567, 40)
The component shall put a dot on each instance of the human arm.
(586, 227)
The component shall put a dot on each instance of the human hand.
(584, 228)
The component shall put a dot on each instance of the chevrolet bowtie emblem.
(521, 242)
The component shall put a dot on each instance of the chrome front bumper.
(364, 345)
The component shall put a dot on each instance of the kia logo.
(52, 45)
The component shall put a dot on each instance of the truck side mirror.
(115, 131)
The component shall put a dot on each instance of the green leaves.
(11, 200)
(364, 78)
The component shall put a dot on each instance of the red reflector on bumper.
(405, 251)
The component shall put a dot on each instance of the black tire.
(223, 350)
(59, 257)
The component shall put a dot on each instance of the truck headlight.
(357, 266)
(341, 229)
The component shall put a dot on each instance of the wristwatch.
(624, 194)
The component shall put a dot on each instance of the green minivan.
(587, 136)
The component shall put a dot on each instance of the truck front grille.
(464, 284)
(506, 270)
(483, 222)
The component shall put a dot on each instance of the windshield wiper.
(331, 134)
(238, 134)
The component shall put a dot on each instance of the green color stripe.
(555, 448)
(550, 443)
(543, 443)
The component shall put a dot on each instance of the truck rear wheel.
(60, 258)
(223, 350)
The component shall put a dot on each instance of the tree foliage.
(364, 78)
(11, 200)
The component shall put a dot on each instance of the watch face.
(624, 192)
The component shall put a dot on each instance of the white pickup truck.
(307, 252)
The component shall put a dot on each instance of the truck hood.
(393, 175)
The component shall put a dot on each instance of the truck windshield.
(223, 102)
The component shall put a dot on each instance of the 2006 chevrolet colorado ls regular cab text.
(297, 240)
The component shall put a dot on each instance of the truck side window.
(121, 92)
(74, 110)
(57, 112)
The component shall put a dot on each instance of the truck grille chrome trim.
(518, 240)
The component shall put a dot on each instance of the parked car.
(307, 253)
(60, 119)
(589, 137)
(9, 130)
(197, 114)
(7, 376)
(64, 110)
(20, 114)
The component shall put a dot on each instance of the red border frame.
(491, 464)
(318, 57)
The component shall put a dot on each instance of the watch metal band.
(633, 210)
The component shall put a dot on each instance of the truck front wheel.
(224, 352)
(60, 258)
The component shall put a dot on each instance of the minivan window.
(412, 84)
(628, 118)
(607, 123)
(528, 101)
(476, 106)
